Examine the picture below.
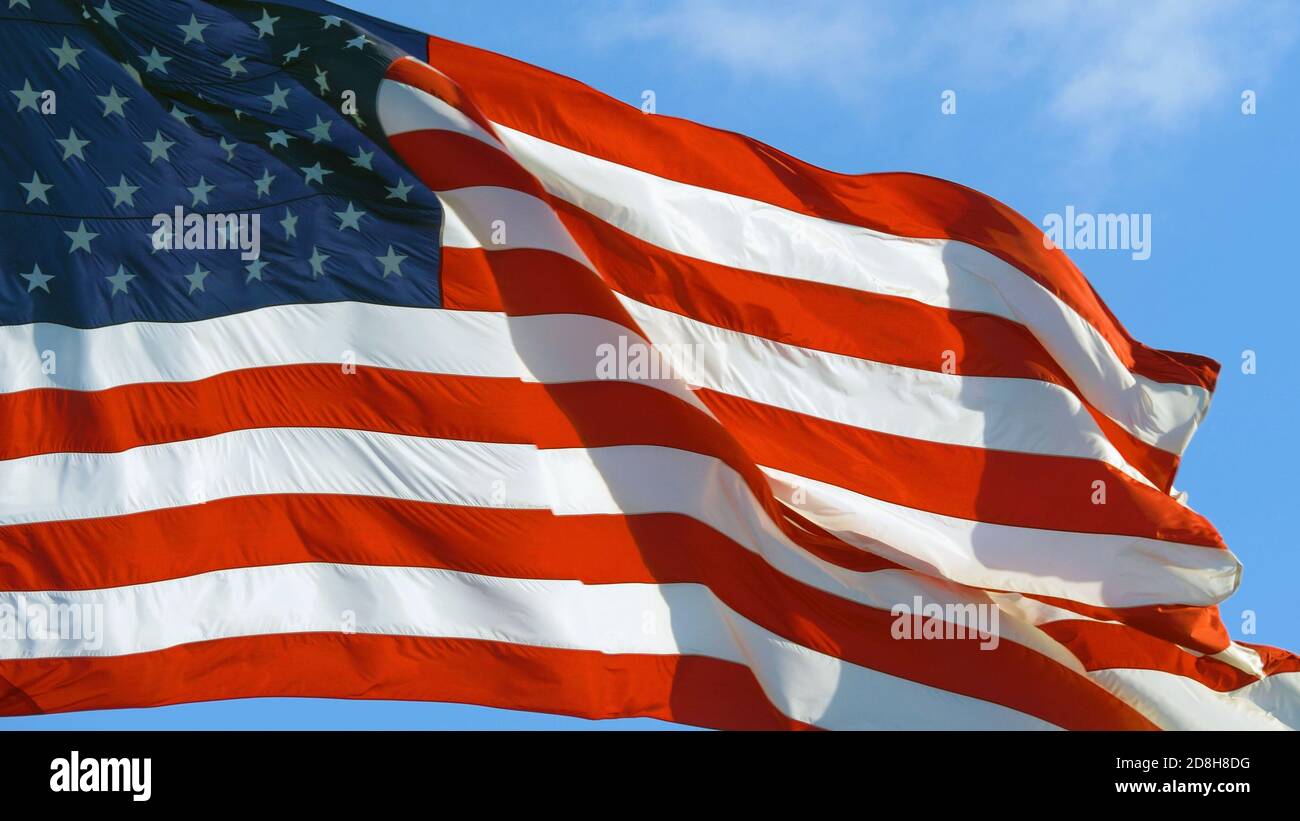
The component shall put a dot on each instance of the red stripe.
(1102, 646)
(441, 406)
(569, 288)
(531, 544)
(465, 274)
(566, 112)
(1199, 628)
(591, 684)
(1275, 659)
(971, 483)
(481, 409)
(660, 281)
(446, 160)
(539, 283)
(475, 279)
(796, 312)
(435, 405)
(412, 72)
(979, 484)
(686, 689)
(739, 300)
(831, 319)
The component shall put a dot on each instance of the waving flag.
(343, 361)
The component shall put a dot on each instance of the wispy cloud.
(825, 41)
(1114, 69)
(1108, 69)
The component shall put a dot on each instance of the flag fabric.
(342, 361)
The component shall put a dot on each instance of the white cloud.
(824, 41)
(1108, 69)
(1114, 69)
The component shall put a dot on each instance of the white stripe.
(672, 619)
(752, 235)
(922, 404)
(1090, 568)
(501, 219)
(613, 480)
(551, 348)
(404, 108)
(1022, 415)
(756, 236)
(1033, 611)
(627, 479)
(636, 479)
(518, 466)
(900, 401)
(618, 480)
(418, 339)
(1175, 701)
(64, 486)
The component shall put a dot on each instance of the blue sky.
(1104, 106)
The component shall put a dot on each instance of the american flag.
(343, 361)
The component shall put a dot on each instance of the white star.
(350, 218)
(289, 224)
(280, 137)
(320, 131)
(37, 280)
(193, 30)
(67, 54)
(392, 262)
(254, 270)
(36, 189)
(331, 20)
(358, 42)
(106, 11)
(399, 191)
(133, 72)
(322, 81)
(266, 25)
(200, 191)
(80, 238)
(113, 102)
(119, 281)
(196, 278)
(159, 147)
(154, 61)
(294, 53)
(27, 96)
(264, 184)
(277, 98)
(235, 64)
(229, 148)
(363, 158)
(123, 192)
(72, 146)
(317, 262)
(315, 172)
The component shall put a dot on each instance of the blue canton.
(119, 112)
